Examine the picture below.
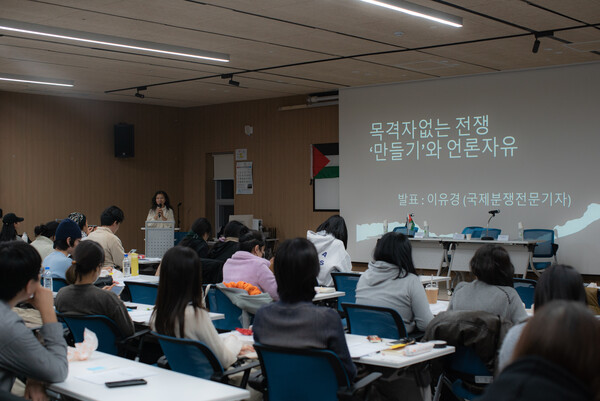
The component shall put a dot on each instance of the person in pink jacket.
(248, 265)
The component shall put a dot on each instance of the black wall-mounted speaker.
(124, 143)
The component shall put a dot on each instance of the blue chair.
(526, 290)
(404, 230)
(110, 338)
(218, 302)
(475, 231)
(345, 282)
(490, 233)
(142, 293)
(194, 358)
(306, 374)
(58, 283)
(369, 320)
(545, 248)
(465, 375)
(179, 235)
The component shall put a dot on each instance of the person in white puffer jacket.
(331, 239)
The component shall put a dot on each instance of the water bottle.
(426, 229)
(25, 238)
(520, 231)
(126, 266)
(47, 278)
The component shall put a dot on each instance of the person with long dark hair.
(44, 238)
(294, 321)
(557, 282)
(160, 209)
(492, 291)
(179, 310)
(249, 265)
(197, 237)
(10, 222)
(229, 243)
(83, 297)
(556, 358)
(331, 240)
(392, 282)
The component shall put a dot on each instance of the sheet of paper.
(101, 374)
(365, 348)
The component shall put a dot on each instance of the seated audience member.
(81, 221)
(331, 240)
(392, 282)
(557, 282)
(67, 238)
(294, 321)
(248, 265)
(83, 298)
(492, 291)
(228, 245)
(10, 222)
(179, 311)
(556, 358)
(21, 353)
(110, 221)
(44, 238)
(196, 239)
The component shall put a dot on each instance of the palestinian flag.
(325, 160)
(410, 223)
(325, 174)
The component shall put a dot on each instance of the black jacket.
(223, 250)
(532, 378)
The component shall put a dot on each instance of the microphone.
(494, 212)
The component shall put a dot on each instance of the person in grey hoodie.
(391, 281)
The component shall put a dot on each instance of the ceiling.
(286, 47)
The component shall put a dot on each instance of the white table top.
(438, 307)
(142, 278)
(358, 345)
(436, 279)
(142, 312)
(162, 384)
(328, 295)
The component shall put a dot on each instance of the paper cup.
(432, 294)
(469, 236)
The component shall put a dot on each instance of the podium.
(160, 237)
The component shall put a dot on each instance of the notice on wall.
(243, 176)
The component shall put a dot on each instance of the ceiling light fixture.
(538, 35)
(111, 41)
(419, 11)
(138, 94)
(36, 80)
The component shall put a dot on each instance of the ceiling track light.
(419, 11)
(109, 41)
(36, 80)
(234, 83)
(538, 35)
(138, 94)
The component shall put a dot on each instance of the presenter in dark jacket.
(294, 321)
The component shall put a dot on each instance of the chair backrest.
(219, 303)
(142, 293)
(190, 357)
(179, 235)
(404, 230)
(369, 320)
(58, 283)
(543, 249)
(475, 231)
(212, 271)
(106, 330)
(301, 374)
(526, 290)
(345, 282)
(490, 232)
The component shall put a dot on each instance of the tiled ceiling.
(285, 47)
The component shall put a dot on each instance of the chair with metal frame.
(142, 293)
(298, 374)
(374, 320)
(58, 283)
(194, 358)
(526, 290)
(545, 248)
(110, 338)
(218, 302)
(490, 233)
(404, 230)
(345, 282)
(475, 231)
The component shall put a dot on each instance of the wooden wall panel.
(57, 156)
(279, 149)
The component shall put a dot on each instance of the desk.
(162, 384)
(520, 253)
(142, 313)
(429, 253)
(356, 345)
(142, 279)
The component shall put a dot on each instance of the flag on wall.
(325, 174)
(325, 160)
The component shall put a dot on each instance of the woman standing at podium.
(161, 209)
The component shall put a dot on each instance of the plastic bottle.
(135, 267)
(25, 238)
(47, 278)
(520, 231)
(426, 229)
(126, 266)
